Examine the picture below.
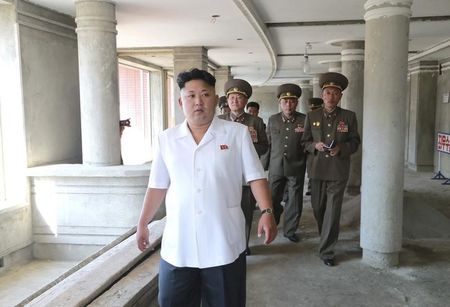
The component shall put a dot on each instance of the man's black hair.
(253, 104)
(195, 74)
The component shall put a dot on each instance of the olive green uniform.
(329, 174)
(287, 162)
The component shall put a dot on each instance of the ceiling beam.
(346, 22)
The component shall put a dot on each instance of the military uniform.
(329, 174)
(313, 103)
(257, 132)
(287, 162)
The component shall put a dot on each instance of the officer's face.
(253, 111)
(236, 102)
(288, 106)
(331, 97)
(198, 101)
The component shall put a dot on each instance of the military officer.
(287, 158)
(313, 103)
(238, 92)
(331, 136)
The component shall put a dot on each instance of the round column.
(333, 66)
(386, 59)
(352, 59)
(307, 92)
(99, 94)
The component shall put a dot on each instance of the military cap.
(238, 86)
(315, 103)
(333, 79)
(289, 90)
(223, 102)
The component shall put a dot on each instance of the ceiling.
(263, 41)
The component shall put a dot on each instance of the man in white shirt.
(199, 167)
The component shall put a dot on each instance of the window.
(134, 89)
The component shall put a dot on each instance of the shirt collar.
(237, 118)
(288, 120)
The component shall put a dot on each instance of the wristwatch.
(267, 211)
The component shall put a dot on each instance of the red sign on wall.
(443, 142)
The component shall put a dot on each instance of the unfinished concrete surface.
(289, 274)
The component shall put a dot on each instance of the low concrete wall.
(78, 209)
(16, 237)
(94, 281)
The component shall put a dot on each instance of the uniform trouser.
(294, 205)
(221, 286)
(326, 201)
(248, 203)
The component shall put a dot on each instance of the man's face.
(236, 102)
(198, 101)
(288, 106)
(331, 97)
(253, 111)
(225, 110)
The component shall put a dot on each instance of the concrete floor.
(287, 274)
(19, 282)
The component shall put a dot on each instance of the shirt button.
(199, 190)
(199, 212)
(284, 154)
(328, 135)
(326, 156)
(285, 145)
(329, 125)
(286, 137)
(287, 129)
(198, 170)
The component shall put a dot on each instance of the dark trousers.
(326, 201)
(221, 286)
(294, 205)
(248, 203)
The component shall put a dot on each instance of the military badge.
(223, 146)
(342, 127)
(299, 129)
(253, 134)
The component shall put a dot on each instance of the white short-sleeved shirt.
(205, 226)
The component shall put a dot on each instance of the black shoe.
(293, 238)
(328, 262)
(248, 252)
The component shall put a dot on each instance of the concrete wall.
(422, 113)
(15, 220)
(16, 238)
(266, 96)
(77, 209)
(49, 66)
(443, 114)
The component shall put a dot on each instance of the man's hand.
(319, 146)
(267, 225)
(142, 237)
(335, 151)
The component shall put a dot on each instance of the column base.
(380, 260)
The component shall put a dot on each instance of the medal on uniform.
(342, 127)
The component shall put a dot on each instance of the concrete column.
(386, 63)
(222, 74)
(307, 92)
(317, 91)
(352, 58)
(422, 115)
(99, 86)
(186, 58)
(333, 66)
